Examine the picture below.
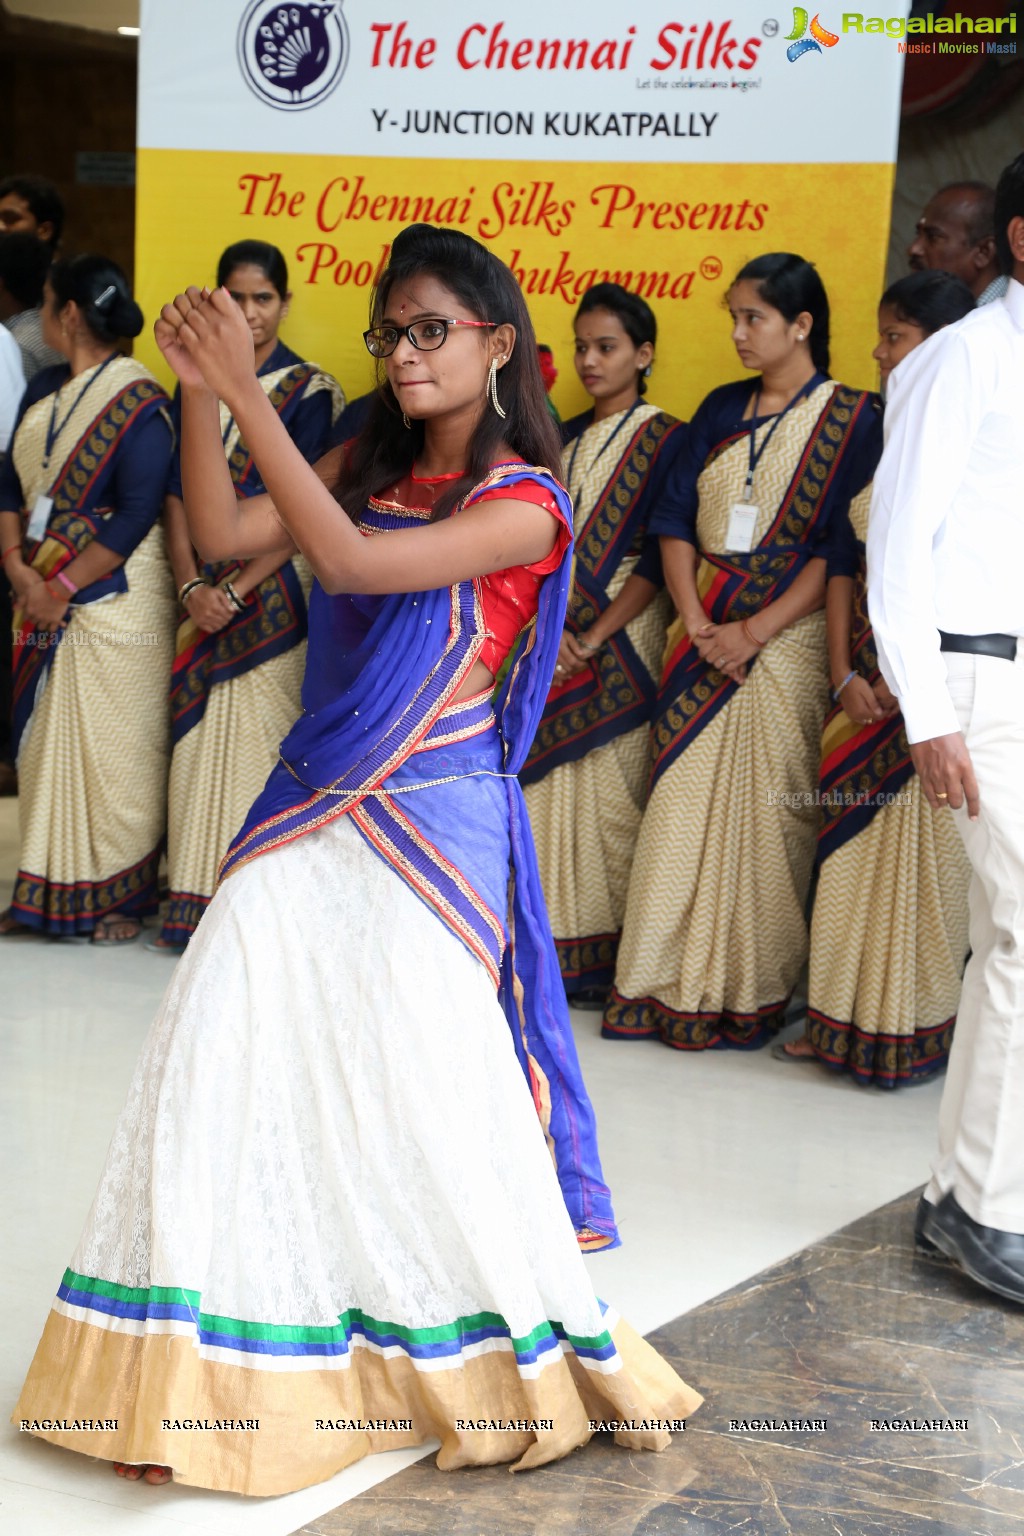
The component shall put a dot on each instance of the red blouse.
(509, 597)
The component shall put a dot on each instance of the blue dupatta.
(381, 675)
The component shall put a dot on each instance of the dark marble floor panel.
(855, 1329)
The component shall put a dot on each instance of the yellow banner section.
(677, 235)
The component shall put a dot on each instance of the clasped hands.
(39, 606)
(206, 340)
(209, 608)
(726, 648)
(864, 702)
(572, 657)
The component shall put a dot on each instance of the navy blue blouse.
(136, 486)
(718, 418)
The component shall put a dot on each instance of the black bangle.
(237, 603)
(190, 586)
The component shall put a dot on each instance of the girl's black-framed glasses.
(426, 335)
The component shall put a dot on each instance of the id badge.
(39, 518)
(739, 539)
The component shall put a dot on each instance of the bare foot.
(590, 1241)
(801, 1047)
(160, 945)
(144, 1473)
(10, 924)
(116, 930)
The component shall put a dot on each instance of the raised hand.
(167, 332)
(216, 340)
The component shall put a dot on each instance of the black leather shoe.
(993, 1258)
(924, 1207)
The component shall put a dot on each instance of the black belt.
(1003, 646)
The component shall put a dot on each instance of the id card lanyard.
(40, 515)
(744, 514)
(55, 428)
(602, 450)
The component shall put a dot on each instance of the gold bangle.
(751, 636)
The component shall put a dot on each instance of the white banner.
(753, 81)
(657, 147)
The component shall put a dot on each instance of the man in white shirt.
(12, 386)
(946, 597)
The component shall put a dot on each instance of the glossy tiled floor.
(854, 1333)
(721, 1164)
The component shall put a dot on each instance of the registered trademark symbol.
(711, 268)
(769, 28)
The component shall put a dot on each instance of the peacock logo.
(292, 55)
(799, 44)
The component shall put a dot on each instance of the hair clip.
(103, 299)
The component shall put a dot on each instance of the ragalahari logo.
(799, 44)
(292, 55)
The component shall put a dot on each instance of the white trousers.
(981, 1121)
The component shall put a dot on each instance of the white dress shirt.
(945, 541)
(12, 386)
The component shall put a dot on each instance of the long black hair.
(929, 299)
(634, 314)
(792, 286)
(386, 449)
(100, 289)
(255, 253)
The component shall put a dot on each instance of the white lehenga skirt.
(329, 1211)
